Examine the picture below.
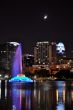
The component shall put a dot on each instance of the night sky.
(23, 21)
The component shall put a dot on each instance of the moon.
(45, 17)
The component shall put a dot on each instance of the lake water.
(47, 95)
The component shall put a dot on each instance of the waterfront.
(46, 95)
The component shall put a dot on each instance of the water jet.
(17, 75)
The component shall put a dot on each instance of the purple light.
(17, 68)
(17, 62)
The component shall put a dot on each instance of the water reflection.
(60, 95)
(16, 99)
(3, 89)
(21, 98)
(56, 95)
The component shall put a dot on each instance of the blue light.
(60, 48)
(17, 75)
(20, 79)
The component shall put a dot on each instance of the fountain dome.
(20, 78)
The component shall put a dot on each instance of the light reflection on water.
(60, 95)
(50, 95)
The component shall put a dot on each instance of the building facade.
(7, 52)
(45, 53)
(28, 60)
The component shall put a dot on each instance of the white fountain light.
(15, 43)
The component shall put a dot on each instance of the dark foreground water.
(48, 95)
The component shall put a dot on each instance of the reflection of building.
(28, 60)
(44, 97)
(45, 52)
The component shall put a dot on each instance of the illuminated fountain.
(17, 75)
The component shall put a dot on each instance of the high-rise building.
(28, 60)
(61, 52)
(7, 51)
(52, 53)
(45, 53)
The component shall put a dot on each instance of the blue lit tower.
(60, 48)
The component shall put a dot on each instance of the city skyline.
(23, 21)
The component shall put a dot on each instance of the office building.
(45, 53)
(28, 60)
(7, 51)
